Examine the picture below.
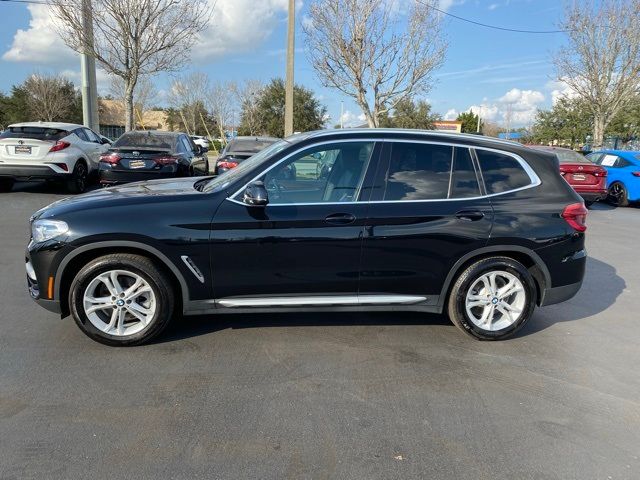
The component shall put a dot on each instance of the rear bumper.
(31, 172)
(592, 195)
(112, 177)
(554, 295)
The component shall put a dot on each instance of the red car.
(587, 179)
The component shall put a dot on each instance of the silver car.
(49, 151)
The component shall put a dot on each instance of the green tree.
(626, 124)
(469, 122)
(567, 123)
(410, 114)
(308, 112)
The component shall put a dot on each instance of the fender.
(122, 243)
(453, 273)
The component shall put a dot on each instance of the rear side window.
(34, 133)
(418, 172)
(501, 172)
(464, 181)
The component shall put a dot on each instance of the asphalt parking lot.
(343, 396)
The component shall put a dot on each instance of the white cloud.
(351, 119)
(487, 112)
(40, 43)
(493, 6)
(560, 89)
(239, 25)
(451, 114)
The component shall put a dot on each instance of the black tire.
(79, 178)
(6, 184)
(588, 203)
(618, 195)
(457, 298)
(157, 279)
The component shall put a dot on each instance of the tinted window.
(608, 160)
(35, 133)
(91, 136)
(146, 140)
(327, 173)
(80, 133)
(501, 172)
(250, 146)
(464, 181)
(418, 172)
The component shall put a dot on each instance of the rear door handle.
(340, 219)
(470, 215)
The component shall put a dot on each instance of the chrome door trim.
(320, 300)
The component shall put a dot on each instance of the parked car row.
(611, 175)
(76, 155)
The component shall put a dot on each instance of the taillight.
(635, 174)
(602, 172)
(59, 145)
(576, 216)
(111, 158)
(225, 164)
(166, 160)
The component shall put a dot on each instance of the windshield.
(35, 133)
(230, 176)
(248, 145)
(566, 156)
(145, 140)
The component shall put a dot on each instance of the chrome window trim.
(319, 300)
(533, 177)
(326, 142)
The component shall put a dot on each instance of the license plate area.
(137, 164)
(22, 150)
(579, 177)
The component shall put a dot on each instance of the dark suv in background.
(481, 229)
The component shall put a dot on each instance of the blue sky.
(489, 69)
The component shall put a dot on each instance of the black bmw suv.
(481, 229)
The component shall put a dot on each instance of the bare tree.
(373, 53)
(49, 97)
(133, 37)
(248, 96)
(601, 63)
(189, 96)
(221, 102)
(143, 94)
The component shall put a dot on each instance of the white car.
(49, 151)
(201, 141)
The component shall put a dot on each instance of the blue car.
(623, 174)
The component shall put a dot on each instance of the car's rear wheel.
(6, 184)
(618, 195)
(79, 178)
(121, 299)
(492, 298)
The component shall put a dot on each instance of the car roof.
(256, 138)
(398, 133)
(58, 125)
(550, 148)
(159, 133)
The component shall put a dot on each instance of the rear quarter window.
(501, 172)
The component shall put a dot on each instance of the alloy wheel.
(617, 194)
(119, 302)
(495, 300)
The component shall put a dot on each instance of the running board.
(337, 300)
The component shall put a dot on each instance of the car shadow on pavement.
(594, 297)
(54, 188)
(600, 289)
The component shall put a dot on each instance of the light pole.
(88, 72)
(288, 89)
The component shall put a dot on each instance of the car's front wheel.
(121, 299)
(618, 195)
(492, 298)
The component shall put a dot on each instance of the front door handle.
(470, 215)
(340, 219)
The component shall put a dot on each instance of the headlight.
(43, 230)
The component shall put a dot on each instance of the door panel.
(308, 239)
(410, 245)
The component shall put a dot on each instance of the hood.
(153, 191)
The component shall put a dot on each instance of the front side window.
(330, 173)
(418, 172)
(501, 172)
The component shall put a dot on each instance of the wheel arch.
(530, 259)
(80, 256)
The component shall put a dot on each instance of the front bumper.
(32, 172)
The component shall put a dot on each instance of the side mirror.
(256, 194)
